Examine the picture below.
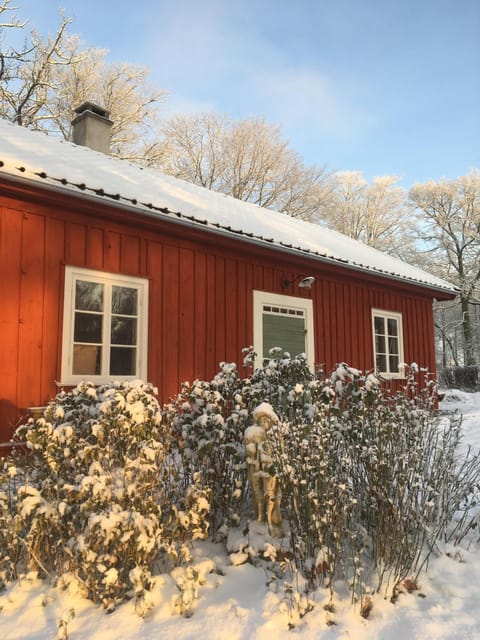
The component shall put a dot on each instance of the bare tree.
(121, 88)
(28, 76)
(247, 159)
(376, 213)
(42, 84)
(451, 214)
(9, 54)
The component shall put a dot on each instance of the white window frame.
(72, 274)
(389, 315)
(261, 298)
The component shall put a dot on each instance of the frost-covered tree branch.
(451, 213)
(41, 85)
(375, 213)
(247, 159)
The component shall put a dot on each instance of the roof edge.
(80, 192)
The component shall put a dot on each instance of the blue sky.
(378, 86)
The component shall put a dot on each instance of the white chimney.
(92, 127)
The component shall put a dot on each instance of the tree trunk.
(469, 354)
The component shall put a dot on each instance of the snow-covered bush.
(105, 499)
(9, 543)
(208, 420)
(370, 480)
(116, 489)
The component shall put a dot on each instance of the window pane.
(380, 344)
(124, 301)
(86, 359)
(124, 330)
(379, 325)
(88, 327)
(392, 327)
(394, 362)
(88, 296)
(122, 361)
(393, 346)
(381, 363)
(285, 332)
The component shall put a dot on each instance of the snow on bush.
(370, 479)
(115, 489)
(208, 420)
(105, 500)
(9, 544)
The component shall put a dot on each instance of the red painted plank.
(232, 350)
(211, 361)
(200, 303)
(170, 334)
(130, 255)
(31, 311)
(112, 251)
(187, 323)
(53, 307)
(76, 248)
(244, 338)
(10, 269)
(220, 310)
(95, 248)
(156, 370)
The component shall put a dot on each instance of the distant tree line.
(435, 226)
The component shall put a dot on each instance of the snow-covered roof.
(55, 163)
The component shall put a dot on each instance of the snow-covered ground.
(235, 603)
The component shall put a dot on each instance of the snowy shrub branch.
(104, 498)
(114, 490)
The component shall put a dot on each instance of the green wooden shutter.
(283, 328)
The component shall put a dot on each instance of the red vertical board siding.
(269, 283)
(318, 322)
(187, 331)
(211, 360)
(10, 270)
(249, 287)
(232, 348)
(31, 310)
(430, 335)
(112, 251)
(339, 327)
(409, 333)
(258, 279)
(155, 314)
(427, 345)
(76, 246)
(220, 312)
(356, 327)
(95, 248)
(200, 312)
(348, 312)
(130, 255)
(53, 306)
(352, 324)
(244, 338)
(170, 334)
(325, 311)
(200, 302)
(366, 345)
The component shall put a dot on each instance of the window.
(388, 343)
(104, 327)
(282, 321)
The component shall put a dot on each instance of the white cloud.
(211, 56)
(303, 98)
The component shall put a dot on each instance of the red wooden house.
(109, 270)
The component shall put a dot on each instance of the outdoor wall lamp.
(305, 282)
